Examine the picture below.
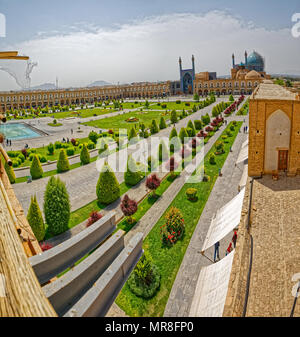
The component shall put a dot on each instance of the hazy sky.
(81, 41)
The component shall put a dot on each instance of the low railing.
(251, 249)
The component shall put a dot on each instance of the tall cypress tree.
(108, 188)
(63, 162)
(56, 206)
(10, 173)
(162, 123)
(84, 155)
(36, 170)
(132, 175)
(35, 219)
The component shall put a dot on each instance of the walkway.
(276, 253)
(224, 190)
(81, 182)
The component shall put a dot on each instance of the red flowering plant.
(129, 207)
(173, 229)
(94, 217)
(153, 182)
(45, 246)
(202, 134)
(73, 141)
(209, 129)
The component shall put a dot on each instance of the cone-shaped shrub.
(198, 124)
(132, 175)
(175, 143)
(174, 117)
(108, 188)
(63, 162)
(183, 134)
(10, 173)
(191, 125)
(84, 155)
(154, 128)
(35, 219)
(36, 170)
(132, 134)
(163, 152)
(162, 123)
(56, 206)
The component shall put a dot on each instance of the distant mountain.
(44, 86)
(99, 84)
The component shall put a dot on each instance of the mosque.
(245, 76)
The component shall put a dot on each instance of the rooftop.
(271, 91)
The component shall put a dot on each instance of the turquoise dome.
(256, 61)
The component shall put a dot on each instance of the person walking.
(229, 249)
(217, 253)
(234, 238)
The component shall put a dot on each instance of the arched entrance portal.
(187, 84)
(278, 129)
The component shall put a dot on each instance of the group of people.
(229, 248)
(245, 129)
(8, 142)
(65, 141)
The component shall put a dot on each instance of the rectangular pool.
(16, 131)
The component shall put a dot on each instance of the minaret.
(246, 57)
(56, 83)
(233, 63)
(193, 66)
(180, 64)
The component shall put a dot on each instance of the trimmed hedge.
(36, 170)
(63, 162)
(10, 173)
(108, 188)
(56, 206)
(84, 155)
(35, 219)
(133, 175)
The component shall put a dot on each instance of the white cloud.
(148, 50)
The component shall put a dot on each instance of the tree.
(231, 99)
(198, 124)
(175, 143)
(35, 219)
(128, 207)
(63, 162)
(144, 270)
(162, 123)
(132, 175)
(93, 136)
(172, 166)
(153, 182)
(196, 97)
(36, 170)
(163, 153)
(174, 117)
(191, 126)
(50, 148)
(10, 173)
(154, 128)
(56, 206)
(182, 135)
(132, 134)
(84, 155)
(108, 188)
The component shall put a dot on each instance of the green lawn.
(244, 109)
(83, 113)
(168, 260)
(119, 122)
